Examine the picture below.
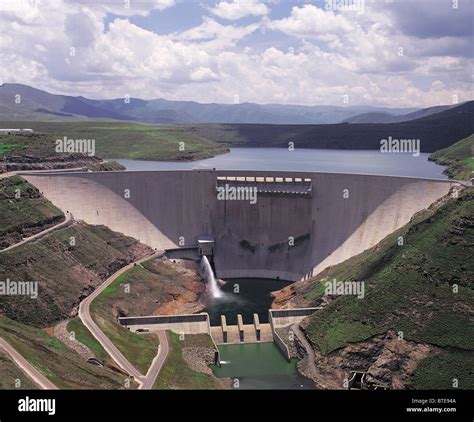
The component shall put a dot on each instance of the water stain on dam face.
(342, 216)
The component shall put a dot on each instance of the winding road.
(85, 316)
(36, 376)
(66, 223)
(157, 363)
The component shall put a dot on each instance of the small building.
(205, 245)
(16, 130)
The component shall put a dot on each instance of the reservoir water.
(319, 160)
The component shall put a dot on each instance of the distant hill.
(459, 158)
(371, 118)
(40, 105)
(435, 131)
(22, 102)
(380, 117)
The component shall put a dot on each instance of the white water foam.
(209, 276)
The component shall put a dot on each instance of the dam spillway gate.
(224, 334)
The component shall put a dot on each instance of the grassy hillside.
(65, 273)
(139, 349)
(11, 374)
(176, 374)
(151, 285)
(423, 289)
(141, 291)
(37, 152)
(112, 140)
(84, 336)
(24, 211)
(436, 131)
(440, 369)
(65, 368)
(459, 158)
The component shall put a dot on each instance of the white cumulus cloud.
(238, 9)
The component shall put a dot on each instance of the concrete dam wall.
(300, 224)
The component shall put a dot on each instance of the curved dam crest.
(341, 216)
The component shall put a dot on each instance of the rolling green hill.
(423, 289)
(459, 158)
(435, 131)
(112, 140)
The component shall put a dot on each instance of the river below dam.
(317, 160)
(259, 366)
(255, 366)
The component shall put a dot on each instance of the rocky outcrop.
(162, 287)
(385, 358)
(61, 333)
(31, 162)
(199, 359)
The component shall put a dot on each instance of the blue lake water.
(318, 160)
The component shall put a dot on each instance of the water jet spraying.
(209, 276)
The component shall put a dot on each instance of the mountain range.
(22, 103)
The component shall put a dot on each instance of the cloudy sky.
(396, 53)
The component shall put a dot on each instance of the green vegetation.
(139, 349)
(176, 374)
(140, 291)
(62, 366)
(424, 288)
(83, 335)
(24, 211)
(459, 158)
(113, 140)
(38, 145)
(440, 370)
(11, 374)
(6, 148)
(110, 165)
(64, 272)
